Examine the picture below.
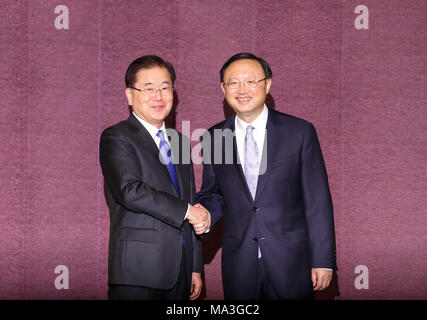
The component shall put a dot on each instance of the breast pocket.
(139, 234)
(284, 161)
(297, 237)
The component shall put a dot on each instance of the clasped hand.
(200, 218)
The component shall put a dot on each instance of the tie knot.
(249, 129)
(160, 135)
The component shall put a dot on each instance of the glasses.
(249, 83)
(164, 91)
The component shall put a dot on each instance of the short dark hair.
(246, 55)
(147, 62)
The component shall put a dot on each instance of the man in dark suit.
(268, 181)
(153, 250)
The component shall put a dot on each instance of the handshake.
(200, 218)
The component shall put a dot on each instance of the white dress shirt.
(152, 130)
(259, 124)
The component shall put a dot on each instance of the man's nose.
(158, 94)
(242, 88)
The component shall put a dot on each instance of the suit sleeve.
(318, 202)
(209, 195)
(121, 169)
(197, 243)
(197, 254)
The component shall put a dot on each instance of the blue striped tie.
(166, 153)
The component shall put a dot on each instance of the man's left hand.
(196, 285)
(321, 278)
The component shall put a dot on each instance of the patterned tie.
(166, 153)
(251, 156)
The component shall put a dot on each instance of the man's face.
(152, 107)
(246, 102)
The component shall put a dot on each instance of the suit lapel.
(177, 156)
(143, 136)
(269, 152)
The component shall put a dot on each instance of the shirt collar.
(259, 123)
(152, 130)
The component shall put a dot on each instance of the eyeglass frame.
(144, 91)
(240, 82)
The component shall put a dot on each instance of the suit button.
(256, 209)
(255, 239)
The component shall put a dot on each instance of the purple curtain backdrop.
(364, 90)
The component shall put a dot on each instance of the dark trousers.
(180, 291)
(264, 290)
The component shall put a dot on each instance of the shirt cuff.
(211, 222)
(188, 210)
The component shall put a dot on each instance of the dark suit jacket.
(147, 225)
(291, 218)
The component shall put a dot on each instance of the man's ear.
(223, 87)
(129, 96)
(267, 85)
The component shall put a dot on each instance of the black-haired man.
(278, 240)
(154, 253)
